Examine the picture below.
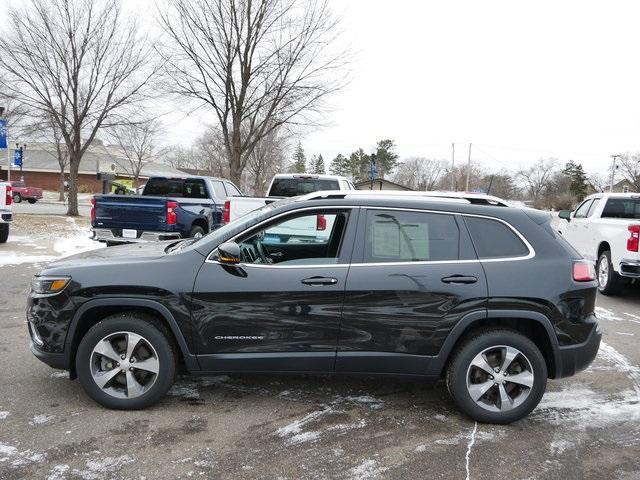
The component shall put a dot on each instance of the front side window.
(308, 239)
(494, 239)
(581, 211)
(593, 207)
(622, 208)
(401, 236)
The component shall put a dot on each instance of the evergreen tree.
(578, 186)
(386, 157)
(340, 166)
(317, 165)
(359, 165)
(299, 160)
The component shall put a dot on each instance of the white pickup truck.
(6, 199)
(605, 228)
(284, 185)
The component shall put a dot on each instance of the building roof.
(380, 182)
(42, 157)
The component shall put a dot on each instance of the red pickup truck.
(22, 192)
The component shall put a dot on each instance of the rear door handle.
(459, 279)
(320, 281)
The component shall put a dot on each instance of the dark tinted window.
(622, 208)
(218, 188)
(292, 187)
(176, 187)
(394, 236)
(494, 239)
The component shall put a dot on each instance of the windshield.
(291, 187)
(622, 208)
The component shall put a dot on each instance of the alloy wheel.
(500, 378)
(124, 365)
(603, 272)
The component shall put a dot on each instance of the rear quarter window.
(494, 239)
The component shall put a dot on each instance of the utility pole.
(468, 168)
(613, 170)
(453, 163)
(5, 139)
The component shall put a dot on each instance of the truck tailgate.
(131, 211)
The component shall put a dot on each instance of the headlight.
(49, 285)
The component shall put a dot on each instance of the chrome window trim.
(267, 220)
(530, 255)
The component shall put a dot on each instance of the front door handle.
(459, 279)
(320, 281)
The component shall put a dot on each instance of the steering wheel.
(264, 258)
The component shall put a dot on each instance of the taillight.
(171, 213)
(634, 239)
(93, 210)
(321, 222)
(583, 272)
(9, 199)
(226, 213)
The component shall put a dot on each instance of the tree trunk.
(235, 162)
(61, 186)
(72, 208)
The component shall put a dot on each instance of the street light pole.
(613, 171)
(453, 162)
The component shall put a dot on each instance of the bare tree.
(420, 173)
(79, 62)
(599, 182)
(536, 178)
(630, 169)
(178, 156)
(267, 158)
(137, 141)
(258, 64)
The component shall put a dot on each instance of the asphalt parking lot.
(267, 426)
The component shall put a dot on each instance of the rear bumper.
(630, 268)
(115, 236)
(575, 358)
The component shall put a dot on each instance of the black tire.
(4, 232)
(614, 282)
(17, 198)
(460, 366)
(154, 333)
(196, 232)
(32, 200)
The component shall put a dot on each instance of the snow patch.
(367, 469)
(40, 419)
(295, 427)
(4, 415)
(12, 258)
(60, 374)
(366, 400)
(472, 440)
(17, 459)
(558, 447)
(184, 390)
(102, 468)
(59, 472)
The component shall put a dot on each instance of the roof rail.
(472, 198)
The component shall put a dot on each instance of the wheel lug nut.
(490, 377)
(132, 360)
(122, 357)
(496, 369)
(131, 369)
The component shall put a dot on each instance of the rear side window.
(232, 191)
(292, 187)
(622, 208)
(194, 188)
(399, 236)
(218, 188)
(493, 239)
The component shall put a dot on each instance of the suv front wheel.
(497, 376)
(126, 361)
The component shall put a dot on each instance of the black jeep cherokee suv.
(487, 297)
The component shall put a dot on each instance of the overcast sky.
(519, 80)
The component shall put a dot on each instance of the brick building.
(41, 169)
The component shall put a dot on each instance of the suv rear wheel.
(497, 376)
(126, 362)
(609, 282)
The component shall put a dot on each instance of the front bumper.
(115, 236)
(630, 268)
(54, 360)
(575, 358)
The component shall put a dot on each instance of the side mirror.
(228, 253)
(566, 214)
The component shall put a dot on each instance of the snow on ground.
(64, 237)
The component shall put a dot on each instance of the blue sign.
(373, 173)
(3, 134)
(17, 158)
